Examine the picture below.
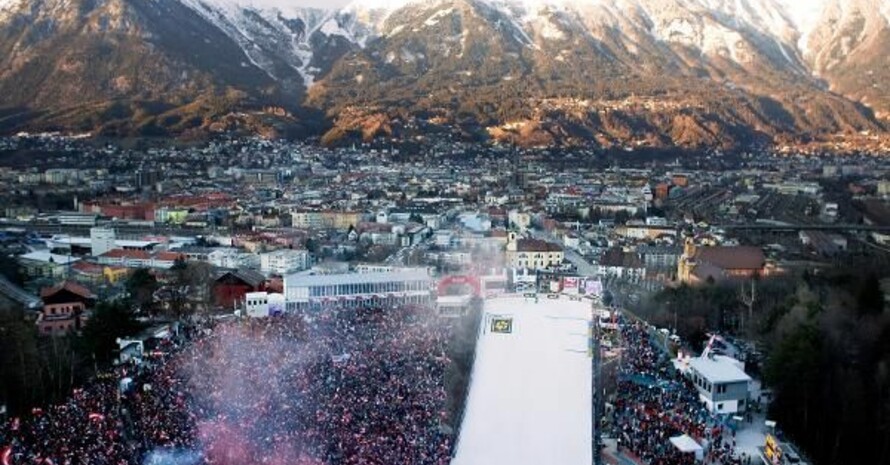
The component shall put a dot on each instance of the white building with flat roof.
(358, 289)
(721, 383)
(284, 261)
(263, 304)
(102, 240)
(104, 237)
(77, 218)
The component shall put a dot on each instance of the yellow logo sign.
(502, 325)
(772, 451)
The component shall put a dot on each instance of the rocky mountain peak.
(615, 72)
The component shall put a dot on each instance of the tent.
(687, 445)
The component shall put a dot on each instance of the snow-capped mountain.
(614, 71)
(276, 44)
(849, 47)
(715, 27)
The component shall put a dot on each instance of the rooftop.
(719, 370)
(45, 256)
(17, 294)
(732, 258)
(87, 242)
(69, 286)
(250, 277)
(301, 280)
(536, 245)
(131, 254)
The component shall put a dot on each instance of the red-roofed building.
(128, 258)
(199, 202)
(139, 259)
(230, 287)
(699, 264)
(87, 272)
(124, 210)
(167, 259)
(64, 308)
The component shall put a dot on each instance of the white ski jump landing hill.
(530, 395)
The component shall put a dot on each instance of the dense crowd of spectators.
(654, 403)
(342, 386)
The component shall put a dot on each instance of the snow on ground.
(751, 436)
(434, 19)
(8, 3)
(332, 27)
(530, 395)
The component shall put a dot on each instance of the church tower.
(687, 261)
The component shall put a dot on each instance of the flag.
(6, 455)
(705, 353)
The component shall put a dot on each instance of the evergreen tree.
(110, 320)
(870, 298)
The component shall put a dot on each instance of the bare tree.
(748, 297)
(189, 291)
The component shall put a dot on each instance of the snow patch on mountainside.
(262, 34)
(332, 28)
(552, 31)
(434, 19)
(225, 16)
(8, 6)
(804, 13)
(785, 52)
(513, 12)
(389, 5)
(720, 41)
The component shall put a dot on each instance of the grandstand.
(398, 287)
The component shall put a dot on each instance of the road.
(582, 266)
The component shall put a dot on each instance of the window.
(720, 406)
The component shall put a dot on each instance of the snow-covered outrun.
(530, 393)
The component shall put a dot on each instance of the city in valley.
(263, 301)
(444, 232)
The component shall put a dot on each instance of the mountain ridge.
(539, 72)
(720, 56)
